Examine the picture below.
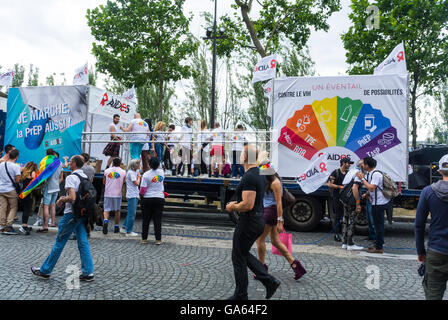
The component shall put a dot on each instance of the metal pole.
(212, 113)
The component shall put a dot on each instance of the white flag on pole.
(316, 174)
(130, 95)
(265, 69)
(81, 75)
(267, 89)
(395, 62)
(6, 78)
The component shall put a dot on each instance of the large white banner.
(107, 104)
(395, 63)
(265, 69)
(351, 116)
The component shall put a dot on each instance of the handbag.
(286, 239)
(17, 186)
(287, 198)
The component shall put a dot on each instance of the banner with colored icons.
(352, 116)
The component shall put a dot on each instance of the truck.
(309, 209)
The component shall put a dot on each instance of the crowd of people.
(178, 153)
(258, 200)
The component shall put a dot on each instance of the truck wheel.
(361, 225)
(234, 216)
(304, 215)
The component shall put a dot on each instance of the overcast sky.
(54, 36)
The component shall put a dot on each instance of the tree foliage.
(33, 76)
(420, 24)
(276, 21)
(141, 42)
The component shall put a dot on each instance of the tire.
(361, 225)
(304, 215)
(234, 216)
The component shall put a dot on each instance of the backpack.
(84, 205)
(390, 189)
(346, 194)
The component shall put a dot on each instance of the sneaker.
(116, 229)
(88, 278)
(158, 242)
(354, 248)
(9, 230)
(39, 274)
(24, 231)
(144, 241)
(344, 246)
(131, 234)
(105, 226)
(38, 223)
(122, 230)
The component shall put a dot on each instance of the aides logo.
(114, 103)
(310, 173)
(265, 67)
(336, 156)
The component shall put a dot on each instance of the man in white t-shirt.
(186, 147)
(68, 224)
(141, 135)
(113, 180)
(373, 181)
(237, 148)
(8, 194)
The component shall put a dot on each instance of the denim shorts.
(50, 198)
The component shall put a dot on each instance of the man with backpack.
(335, 185)
(434, 200)
(80, 193)
(381, 190)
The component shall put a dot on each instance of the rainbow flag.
(265, 166)
(47, 167)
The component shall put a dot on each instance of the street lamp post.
(211, 35)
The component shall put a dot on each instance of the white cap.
(443, 163)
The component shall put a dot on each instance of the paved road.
(194, 262)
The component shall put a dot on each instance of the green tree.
(93, 76)
(233, 112)
(440, 121)
(276, 21)
(19, 75)
(422, 26)
(198, 93)
(149, 104)
(33, 76)
(50, 79)
(141, 41)
(297, 63)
